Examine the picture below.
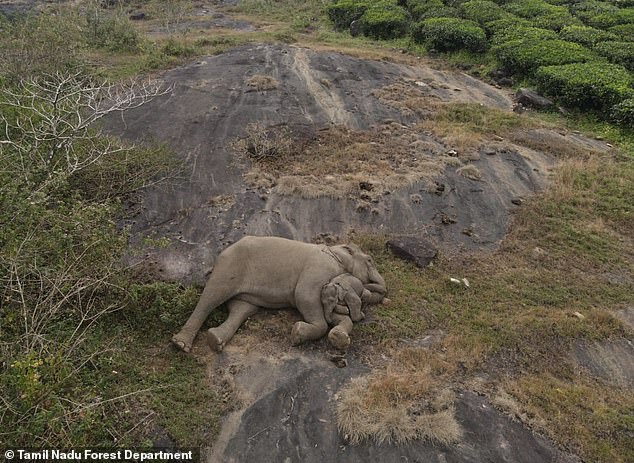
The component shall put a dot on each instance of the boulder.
(531, 99)
(412, 249)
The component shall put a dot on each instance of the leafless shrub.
(53, 133)
(266, 143)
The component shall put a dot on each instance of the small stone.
(517, 201)
(412, 249)
(538, 253)
(452, 153)
(532, 99)
(468, 231)
(579, 315)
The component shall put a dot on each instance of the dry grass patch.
(470, 171)
(261, 83)
(407, 401)
(577, 412)
(552, 142)
(338, 162)
(411, 98)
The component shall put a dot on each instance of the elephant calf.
(343, 299)
(275, 273)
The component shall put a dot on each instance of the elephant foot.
(216, 343)
(339, 339)
(296, 336)
(181, 343)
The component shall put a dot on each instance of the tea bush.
(614, 18)
(623, 31)
(522, 33)
(525, 56)
(556, 20)
(446, 34)
(532, 8)
(618, 52)
(425, 9)
(623, 113)
(507, 22)
(585, 35)
(343, 12)
(384, 20)
(595, 85)
(482, 11)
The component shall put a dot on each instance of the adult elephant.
(275, 273)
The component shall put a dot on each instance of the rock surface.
(209, 109)
(412, 249)
(531, 99)
(292, 419)
(612, 361)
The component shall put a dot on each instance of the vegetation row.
(578, 52)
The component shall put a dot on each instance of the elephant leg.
(239, 311)
(217, 290)
(339, 335)
(314, 325)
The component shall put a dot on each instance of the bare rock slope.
(289, 412)
(212, 206)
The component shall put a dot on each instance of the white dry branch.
(54, 132)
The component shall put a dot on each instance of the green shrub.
(532, 8)
(482, 11)
(586, 10)
(623, 113)
(623, 31)
(586, 36)
(614, 18)
(522, 33)
(448, 34)
(40, 44)
(597, 86)
(112, 31)
(618, 52)
(384, 20)
(525, 56)
(425, 9)
(343, 12)
(173, 47)
(508, 22)
(556, 20)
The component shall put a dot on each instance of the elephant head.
(361, 265)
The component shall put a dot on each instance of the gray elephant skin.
(276, 273)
